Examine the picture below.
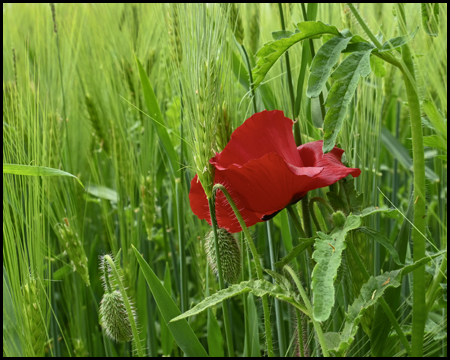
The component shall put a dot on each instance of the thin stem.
(278, 312)
(249, 69)
(127, 304)
(305, 299)
(226, 317)
(364, 26)
(382, 301)
(181, 244)
(301, 346)
(419, 313)
(257, 262)
(296, 221)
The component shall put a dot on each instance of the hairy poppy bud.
(114, 318)
(230, 254)
(338, 219)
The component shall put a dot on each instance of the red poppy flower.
(264, 171)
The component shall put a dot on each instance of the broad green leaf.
(306, 243)
(398, 41)
(436, 119)
(272, 51)
(383, 240)
(281, 34)
(346, 77)
(430, 18)
(102, 192)
(369, 294)
(332, 339)
(181, 331)
(256, 287)
(399, 152)
(328, 256)
(157, 119)
(435, 141)
(30, 170)
(323, 63)
(358, 47)
(377, 66)
(11, 327)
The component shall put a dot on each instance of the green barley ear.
(72, 245)
(254, 27)
(148, 204)
(95, 121)
(33, 318)
(235, 21)
(230, 255)
(224, 128)
(113, 314)
(173, 26)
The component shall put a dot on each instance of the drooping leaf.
(157, 119)
(102, 192)
(382, 240)
(256, 287)
(181, 331)
(306, 243)
(323, 63)
(29, 170)
(400, 153)
(430, 18)
(273, 50)
(398, 41)
(435, 141)
(328, 256)
(392, 213)
(346, 77)
(369, 294)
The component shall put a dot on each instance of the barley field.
(225, 180)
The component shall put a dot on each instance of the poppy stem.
(259, 271)
(226, 318)
(296, 221)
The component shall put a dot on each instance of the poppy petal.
(269, 184)
(224, 213)
(263, 133)
(333, 169)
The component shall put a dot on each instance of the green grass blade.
(382, 240)
(166, 336)
(398, 41)
(346, 78)
(328, 256)
(181, 331)
(269, 54)
(30, 170)
(11, 338)
(157, 119)
(437, 120)
(297, 250)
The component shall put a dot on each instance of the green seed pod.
(230, 255)
(113, 317)
(338, 219)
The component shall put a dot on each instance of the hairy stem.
(226, 317)
(364, 26)
(258, 265)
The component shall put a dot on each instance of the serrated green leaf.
(323, 63)
(377, 66)
(346, 77)
(157, 119)
(400, 153)
(398, 41)
(382, 240)
(435, 141)
(281, 34)
(29, 170)
(102, 192)
(430, 18)
(306, 243)
(181, 331)
(369, 294)
(280, 280)
(328, 256)
(358, 46)
(435, 117)
(256, 287)
(272, 51)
